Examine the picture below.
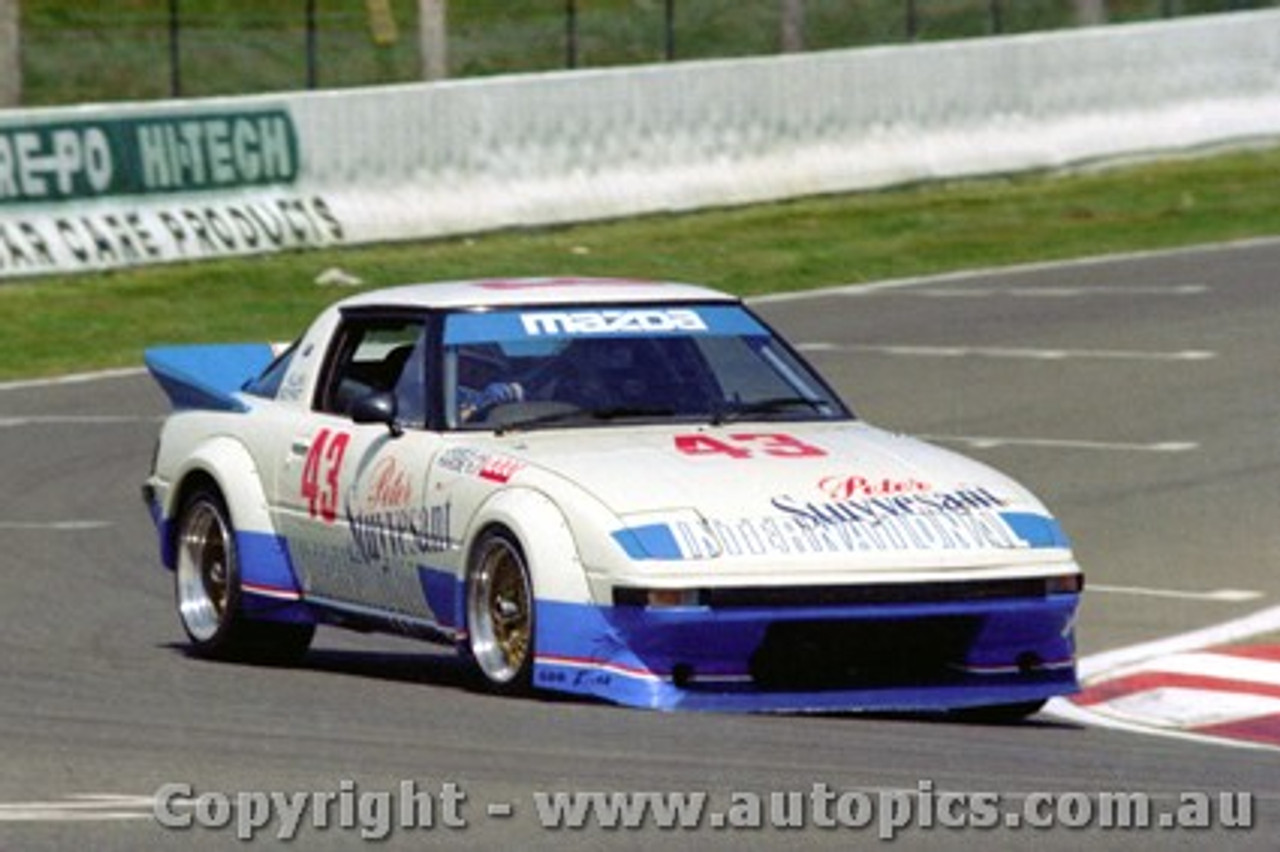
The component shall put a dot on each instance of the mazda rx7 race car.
(629, 490)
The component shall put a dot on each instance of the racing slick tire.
(500, 613)
(207, 591)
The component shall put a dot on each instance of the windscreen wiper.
(570, 415)
(769, 405)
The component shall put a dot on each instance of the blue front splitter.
(1016, 650)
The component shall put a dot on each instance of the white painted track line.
(1011, 353)
(82, 808)
(987, 442)
(72, 379)
(1221, 595)
(1182, 290)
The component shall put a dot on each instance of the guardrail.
(103, 187)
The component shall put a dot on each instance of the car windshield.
(599, 365)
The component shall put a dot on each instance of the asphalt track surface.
(1138, 396)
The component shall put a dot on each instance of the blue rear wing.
(207, 376)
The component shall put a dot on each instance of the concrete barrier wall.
(117, 185)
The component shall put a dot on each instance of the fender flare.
(227, 463)
(555, 566)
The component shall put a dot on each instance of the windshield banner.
(576, 322)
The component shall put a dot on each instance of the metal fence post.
(312, 71)
(10, 54)
(570, 33)
(1091, 12)
(669, 30)
(433, 38)
(175, 49)
(793, 28)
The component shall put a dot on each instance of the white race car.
(622, 489)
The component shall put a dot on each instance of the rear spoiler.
(208, 376)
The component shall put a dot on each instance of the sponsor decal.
(32, 244)
(878, 509)
(611, 322)
(844, 487)
(389, 486)
(379, 535)
(784, 535)
(463, 460)
(490, 466)
(500, 469)
(385, 520)
(79, 160)
(293, 386)
(591, 321)
(166, 160)
(960, 520)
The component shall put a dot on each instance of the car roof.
(504, 292)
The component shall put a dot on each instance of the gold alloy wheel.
(500, 611)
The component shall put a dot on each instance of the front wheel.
(207, 591)
(500, 613)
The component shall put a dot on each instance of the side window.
(373, 356)
(411, 387)
(268, 384)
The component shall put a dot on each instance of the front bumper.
(898, 656)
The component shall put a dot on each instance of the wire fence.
(147, 49)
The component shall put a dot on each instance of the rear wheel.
(500, 612)
(207, 591)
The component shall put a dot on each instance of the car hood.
(791, 489)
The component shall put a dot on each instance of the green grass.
(65, 324)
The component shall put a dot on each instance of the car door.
(352, 497)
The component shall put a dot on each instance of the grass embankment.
(58, 325)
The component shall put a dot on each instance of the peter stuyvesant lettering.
(879, 508)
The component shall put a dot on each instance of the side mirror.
(379, 407)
